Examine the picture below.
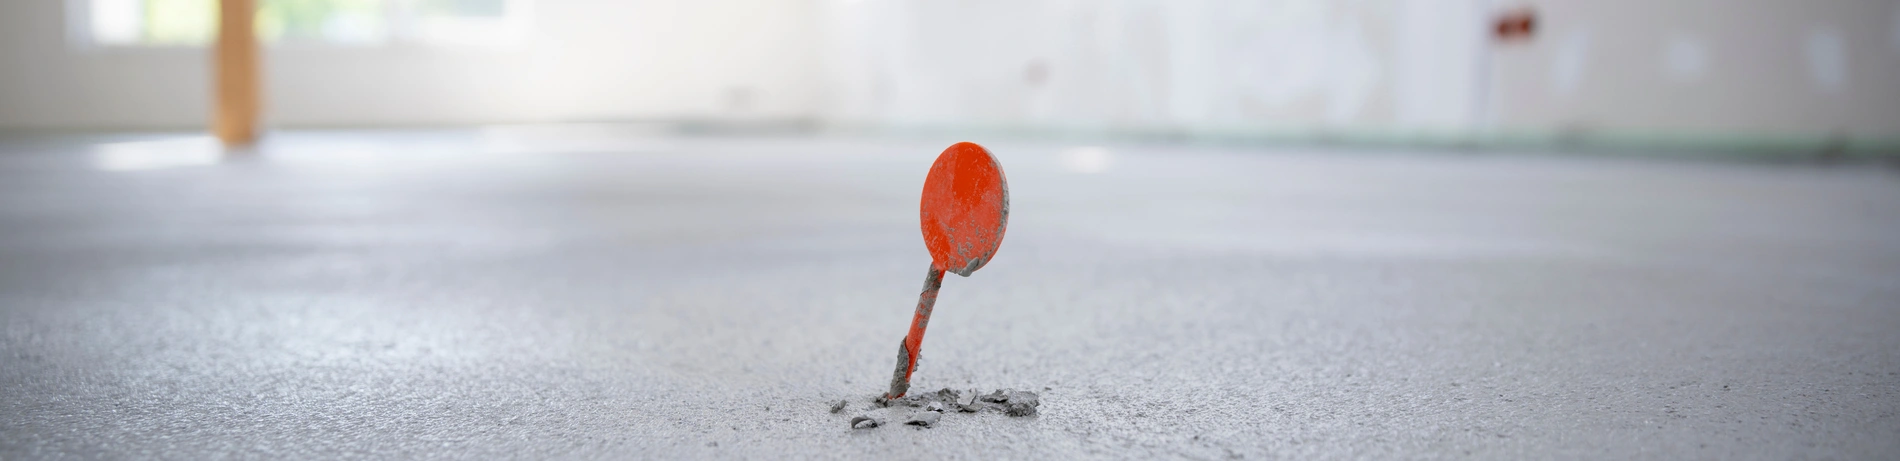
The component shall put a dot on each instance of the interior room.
(1202, 229)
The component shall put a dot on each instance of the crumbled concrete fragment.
(839, 407)
(924, 418)
(873, 418)
(1022, 403)
(966, 402)
(1000, 396)
(944, 396)
(908, 409)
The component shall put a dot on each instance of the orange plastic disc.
(965, 208)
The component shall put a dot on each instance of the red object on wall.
(1515, 25)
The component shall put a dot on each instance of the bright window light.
(152, 22)
(323, 21)
(346, 22)
(468, 22)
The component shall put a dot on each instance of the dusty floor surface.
(521, 294)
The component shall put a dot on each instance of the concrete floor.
(559, 294)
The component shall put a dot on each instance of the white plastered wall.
(1190, 64)
(588, 60)
(1709, 68)
(1706, 68)
(1695, 69)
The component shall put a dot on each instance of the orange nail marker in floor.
(965, 208)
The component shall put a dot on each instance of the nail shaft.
(914, 341)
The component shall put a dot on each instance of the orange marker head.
(965, 208)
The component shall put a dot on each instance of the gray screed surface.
(452, 295)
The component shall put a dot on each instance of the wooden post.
(236, 101)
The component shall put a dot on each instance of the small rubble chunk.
(1000, 396)
(873, 418)
(1022, 403)
(967, 402)
(924, 418)
(927, 409)
(839, 407)
(945, 396)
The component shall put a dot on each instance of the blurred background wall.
(1705, 67)
(1682, 69)
(1193, 65)
(1690, 71)
(580, 60)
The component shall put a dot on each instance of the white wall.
(1795, 68)
(1706, 67)
(44, 83)
(588, 60)
(1690, 68)
(1185, 64)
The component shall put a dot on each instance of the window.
(335, 21)
(345, 22)
(466, 22)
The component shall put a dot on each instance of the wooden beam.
(236, 100)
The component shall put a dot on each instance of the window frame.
(401, 23)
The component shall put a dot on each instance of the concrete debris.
(924, 418)
(1022, 403)
(839, 407)
(873, 418)
(927, 408)
(946, 396)
(996, 397)
(967, 401)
